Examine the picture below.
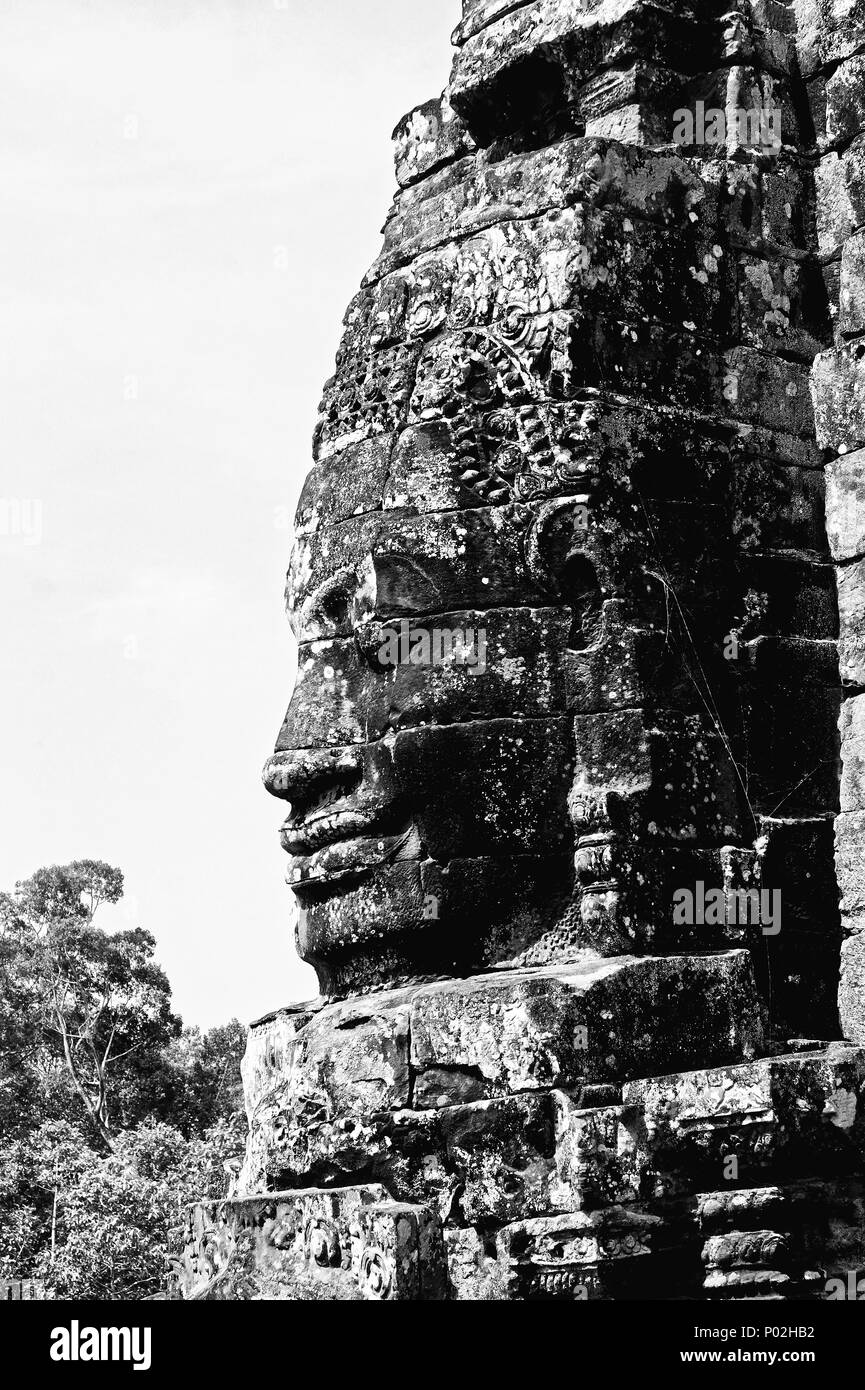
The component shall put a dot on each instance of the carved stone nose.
(293, 775)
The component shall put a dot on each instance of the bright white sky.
(191, 192)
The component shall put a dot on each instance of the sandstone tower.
(579, 864)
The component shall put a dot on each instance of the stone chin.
(411, 920)
(440, 849)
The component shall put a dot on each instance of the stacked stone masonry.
(601, 398)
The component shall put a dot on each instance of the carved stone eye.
(375, 1275)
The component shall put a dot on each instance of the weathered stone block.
(477, 806)
(351, 1059)
(626, 668)
(646, 773)
(474, 1272)
(759, 116)
(502, 1154)
(428, 137)
(598, 1157)
(780, 306)
(599, 261)
(776, 447)
(365, 398)
(631, 895)
(797, 971)
(347, 484)
(768, 391)
(850, 863)
(645, 360)
(637, 95)
(477, 14)
(267, 1061)
(403, 1149)
(828, 32)
(492, 1161)
(786, 595)
(845, 101)
(851, 321)
(763, 211)
(270, 1050)
(538, 56)
(760, 31)
(743, 1250)
(787, 1114)
(845, 506)
(797, 857)
(580, 1256)
(346, 1245)
(840, 186)
(778, 507)
(853, 754)
(851, 610)
(522, 1031)
(831, 272)
(790, 691)
(643, 183)
(851, 993)
(512, 655)
(395, 566)
(838, 387)
(731, 1125)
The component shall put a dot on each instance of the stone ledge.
(347, 1245)
(605, 1021)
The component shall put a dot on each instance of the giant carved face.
(498, 506)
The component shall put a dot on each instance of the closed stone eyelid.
(326, 609)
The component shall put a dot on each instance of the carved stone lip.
(330, 827)
(344, 858)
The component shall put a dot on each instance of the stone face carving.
(576, 588)
(571, 410)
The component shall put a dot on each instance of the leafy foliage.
(112, 1115)
(118, 1217)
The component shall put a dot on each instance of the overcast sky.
(191, 193)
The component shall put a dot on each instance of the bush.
(116, 1219)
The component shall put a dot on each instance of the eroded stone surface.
(601, 399)
(589, 1024)
(349, 1245)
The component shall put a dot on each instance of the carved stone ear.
(559, 556)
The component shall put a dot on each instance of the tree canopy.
(112, 1114)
